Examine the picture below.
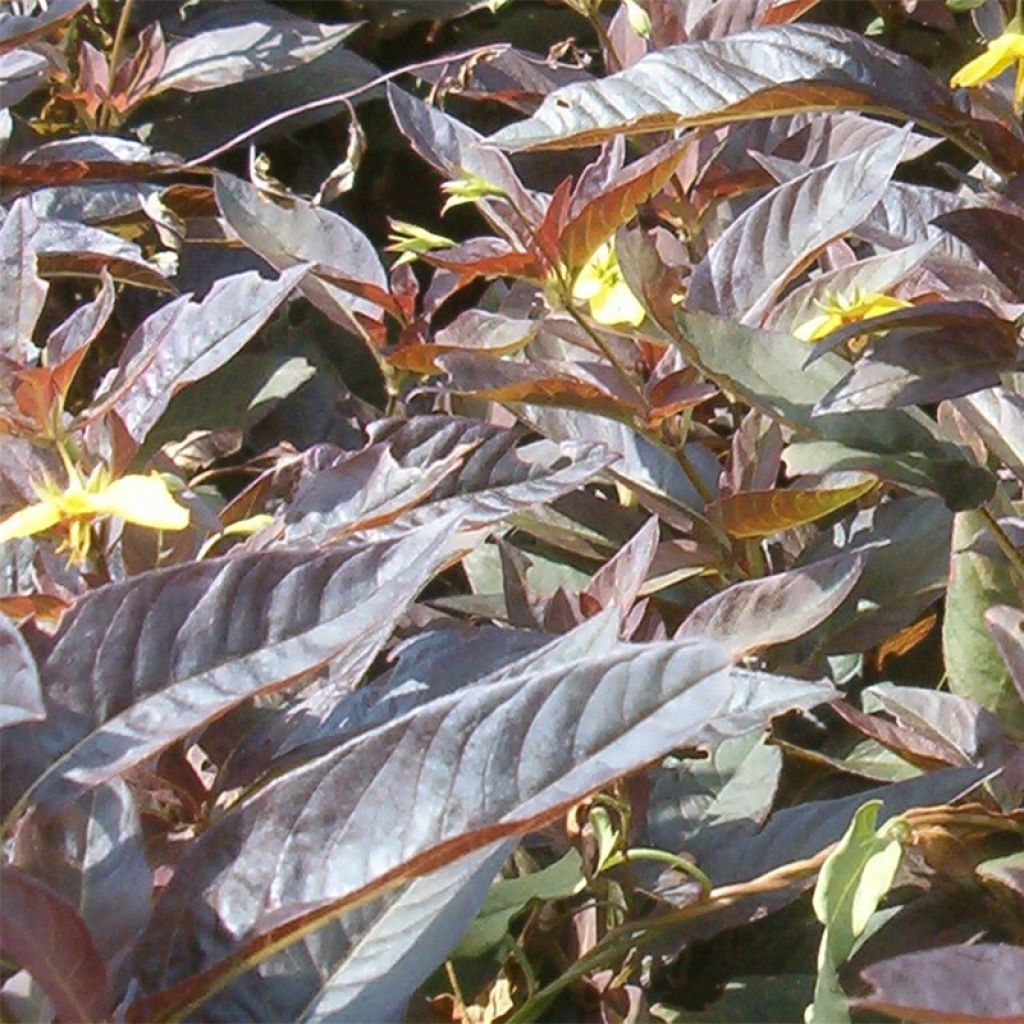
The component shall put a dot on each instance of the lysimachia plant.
(530, 534)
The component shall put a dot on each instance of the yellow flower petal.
(818, 326)
(144, 500)
(998, 56)
(601, 284)
(617, 305)
(591, 278)
(27, 521)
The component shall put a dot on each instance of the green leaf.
(511, 896)
(980, 578)
(766, 369)
(853, 881)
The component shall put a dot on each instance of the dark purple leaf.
(43, 933)
(204, 637)
(22, 291)
(504, 773)
(81, 328)
(21, 696)
(185, 341)
(920, 367)
(982, 983)
(429, 467)
(305, 234)
(786, 228)
(17, 30)
(998, 239)
(93, 854)
(229, 46)
(618, 582)
(752, 74)
(764, 612)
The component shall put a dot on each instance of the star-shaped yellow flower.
(1000, 54)
(839, 310)
(601, 284)
(144, 500)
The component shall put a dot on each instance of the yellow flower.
(144, 500)
(1000, 54)
(600, 282)
(838, 311)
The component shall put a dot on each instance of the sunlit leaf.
(762, 513)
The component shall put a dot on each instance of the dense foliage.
(512, 510)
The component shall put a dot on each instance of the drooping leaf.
(44, 934)
(786, 228)
(305, 234)
(917, 368)
(205, 637)
(185, 341)
(996, 236)
(762, 73)
(980, 578)
(483, 744)
(980, 983)
(227, 47)
(763, 612)
(21, 696)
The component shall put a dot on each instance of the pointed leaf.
(511, 755)
(786, 228)
(22, 291)
(557, 384)
(43, 933)
(762, 513)
(998, 239)
(922, 367)
(764, 612)
(305, 234)
(185, 341)
(766, 72)
(602, 214)
(203, 637)
(236, 47)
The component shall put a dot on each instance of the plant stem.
(611, 58)
(115, 54)
(621, 940)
